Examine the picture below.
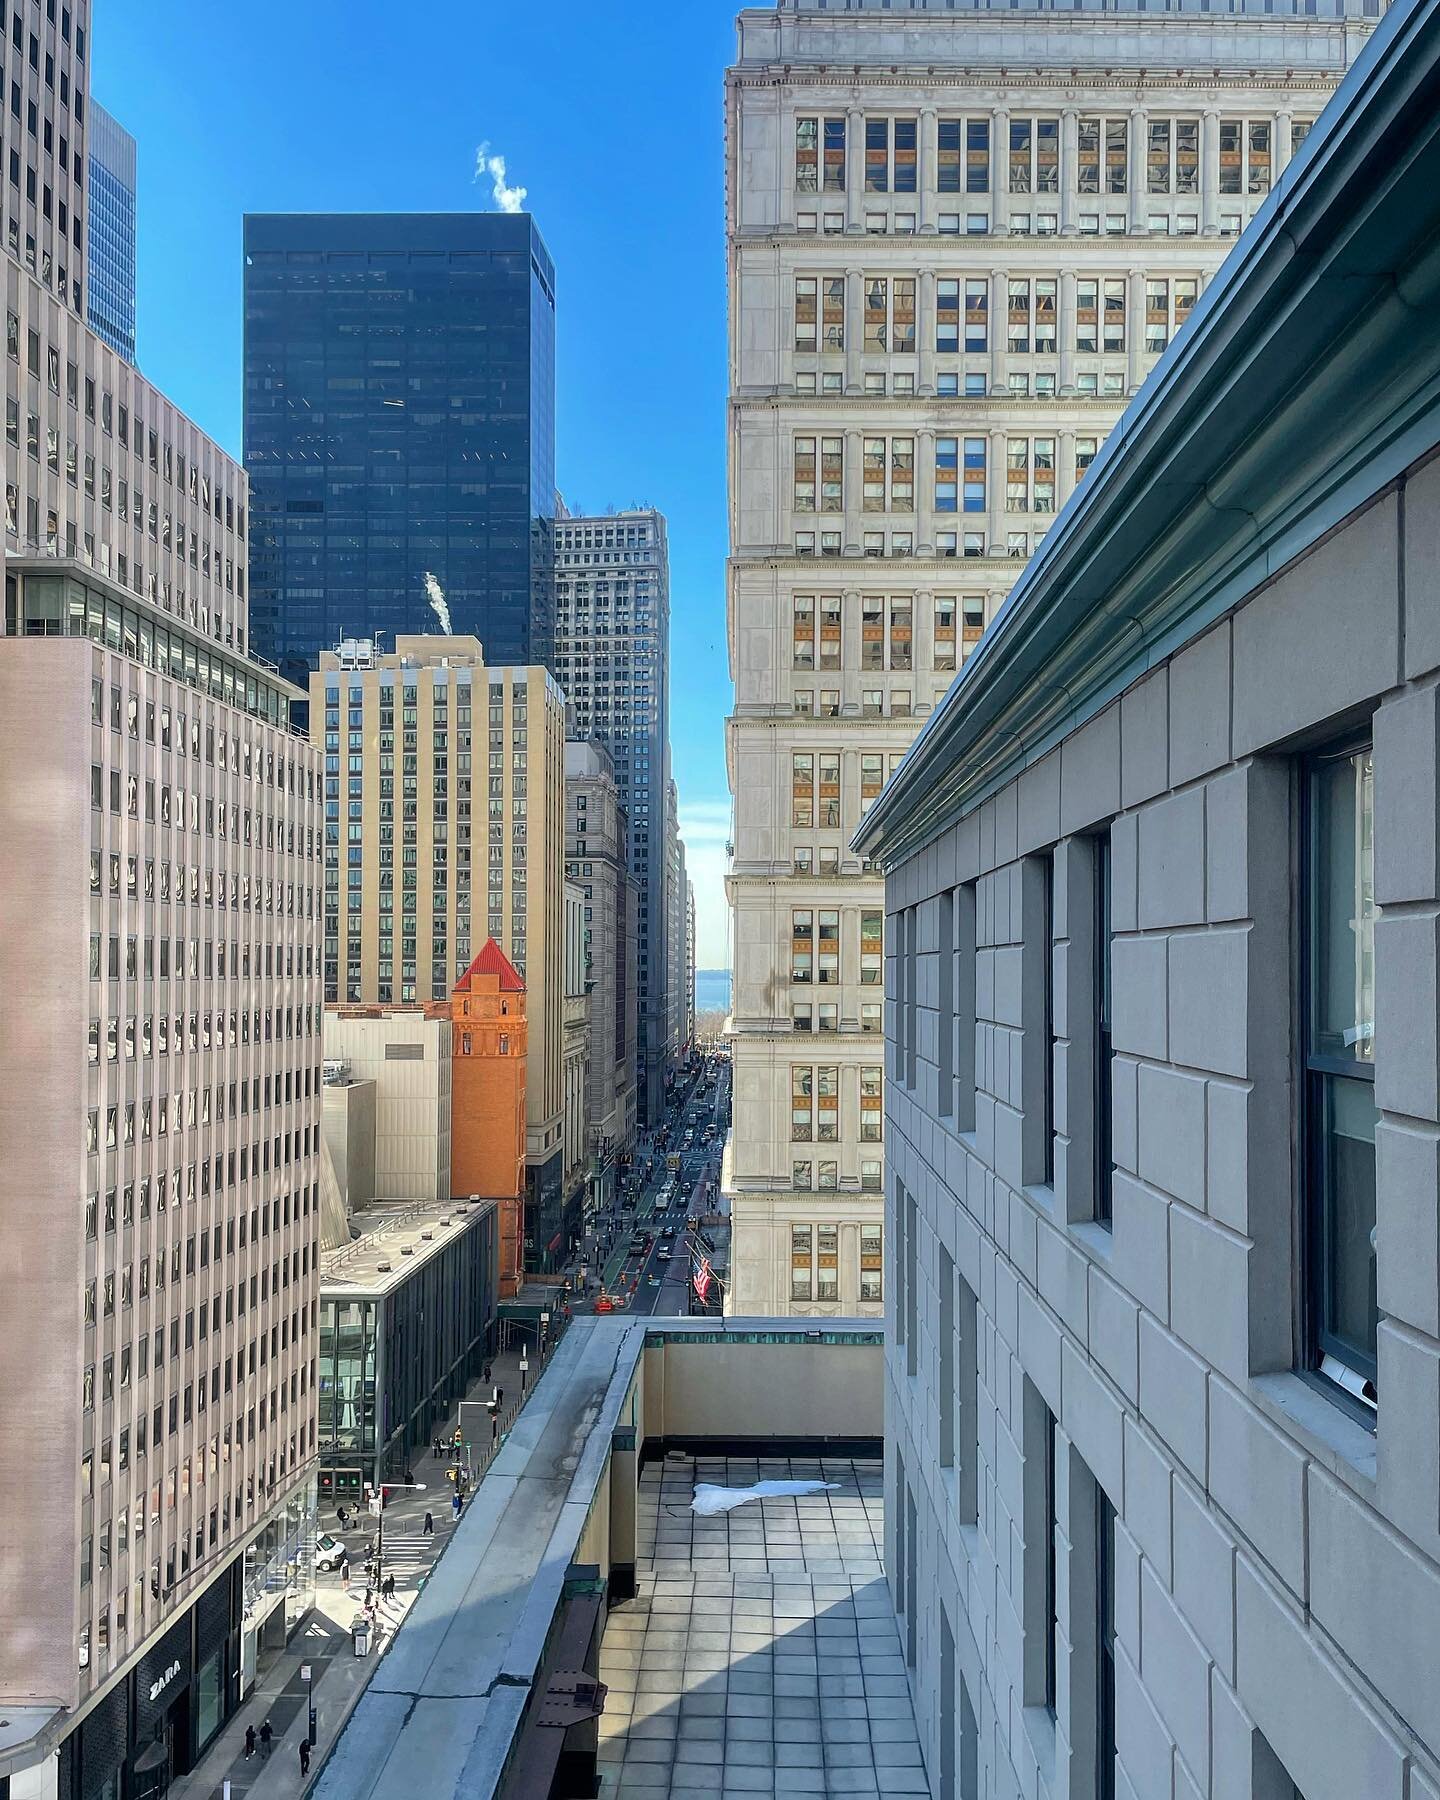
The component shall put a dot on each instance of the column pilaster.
(854, 327)
(1210, 172)
(1069, 167)
(925, 326)
(929, 178)
(924, 497)
(999, 170)
(1135, 328)
(1065, 328)
(854, 168)
(1138, 212)
(999, 328)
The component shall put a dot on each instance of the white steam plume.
(508, 199)
(439, 605)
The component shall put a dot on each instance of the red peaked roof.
(492, 960)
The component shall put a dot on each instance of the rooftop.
(395, 1239)
(588, 1502)
(492, 960)
(760, 1652)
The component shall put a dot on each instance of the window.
(1039, 1594)
(944, 632)
(1104, 153)
(1105, 1659)
(1034, 156)
(871, 1258)
(802, 945)
(1245, 156)
(889, 322)
(1167, 306)
(1086, 450)
(871, 1104)
(964, 156)
(819, 313)
(802, 1105)
(888, 475)
(802, 790)
(872, 948)
(827, 1247)
(974, 481)
(1030, 475)
(1037, 978)
(802, 1262)
(1339, 1042)
(1103, 1177)
(810, 133)
(827, 1112)
(803, 631)
(827, 962)
(1172, 156)
(880, 134)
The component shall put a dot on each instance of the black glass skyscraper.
(399, 424)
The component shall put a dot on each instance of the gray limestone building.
(1163, 1122)
(612, 634)
(598, 863)
(959, 239)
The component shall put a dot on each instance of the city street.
(655, 1282)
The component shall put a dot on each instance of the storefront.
(154, 1724)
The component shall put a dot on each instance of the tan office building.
(406, 904)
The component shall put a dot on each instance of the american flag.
(703, 1279)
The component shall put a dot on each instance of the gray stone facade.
(1126, 1469)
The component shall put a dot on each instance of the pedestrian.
(340, 1515)
(265, 1736)
(485, 1375)
(369, 1596)
(391, 1580)
(304, 1757)
(455, 1506)
(499, 1398)
(409, 1478)
(429, 1526)
(345, 1573)
(249, 1740)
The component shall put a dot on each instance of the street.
(655, 1282)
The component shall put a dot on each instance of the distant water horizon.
(712, 990)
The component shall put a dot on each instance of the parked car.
(329, 1553)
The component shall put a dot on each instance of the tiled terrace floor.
(760, 1656)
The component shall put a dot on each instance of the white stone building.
(1163, 1127)
(958, 241)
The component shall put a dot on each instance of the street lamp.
(524, 1371)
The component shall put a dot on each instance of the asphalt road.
(661, 1282)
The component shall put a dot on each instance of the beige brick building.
(422, 744)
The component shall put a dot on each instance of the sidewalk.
(337, 1676)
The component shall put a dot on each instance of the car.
(663, 1253)
(604, 1304)
(329, 1553)
(652, 1280)
(668, 1232)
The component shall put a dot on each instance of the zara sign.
(157, 1688)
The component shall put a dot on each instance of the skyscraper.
(110, 227)
(160, 1066)
(400, 431)
(958, 242)
(612, 600)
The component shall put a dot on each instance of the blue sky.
(610, 115)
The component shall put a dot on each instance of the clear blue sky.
(610, 114)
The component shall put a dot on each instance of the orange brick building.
(487, 1097)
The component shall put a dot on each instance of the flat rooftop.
(396, 1238)
(760, 1655)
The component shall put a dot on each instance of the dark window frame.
(1318, 1073)
(1103, 915)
